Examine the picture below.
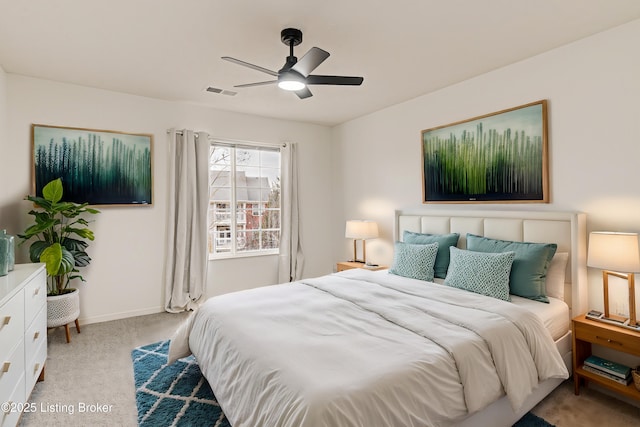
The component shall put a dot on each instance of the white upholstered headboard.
(566, 229)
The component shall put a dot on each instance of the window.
(244, 200)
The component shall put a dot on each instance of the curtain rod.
(235, 141)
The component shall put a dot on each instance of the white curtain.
(291, 256)
(186, 250)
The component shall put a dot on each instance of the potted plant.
(61, 235)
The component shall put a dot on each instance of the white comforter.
(361, 348)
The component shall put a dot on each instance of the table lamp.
(360, 230)
(617, 255)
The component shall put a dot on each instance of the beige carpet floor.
(89, 382)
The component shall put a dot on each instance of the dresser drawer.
(34, 366)
(35, 349)
(35, 335)
(35, 296)
(12, 372)
(607, 337)
(11, 324)
(10, 416)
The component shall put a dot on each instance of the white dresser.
(23, 337)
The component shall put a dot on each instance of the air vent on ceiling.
(221, 91)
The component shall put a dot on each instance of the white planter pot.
(63, 309)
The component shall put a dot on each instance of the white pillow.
(556, 275)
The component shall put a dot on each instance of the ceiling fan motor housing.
(291, 36)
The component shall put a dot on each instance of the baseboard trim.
(120, 315)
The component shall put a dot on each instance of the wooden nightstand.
(587, 332)
(347, 265)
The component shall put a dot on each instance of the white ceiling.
(171, 49)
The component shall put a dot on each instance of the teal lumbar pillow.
(530, 265)
(414, 261)
(444, 241)
(482, 273)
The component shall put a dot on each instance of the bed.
(363, 348)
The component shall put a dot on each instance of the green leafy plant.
(61, 235)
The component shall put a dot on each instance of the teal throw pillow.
(414, 261)
(482, 273)
(444, 242)
(529, 271)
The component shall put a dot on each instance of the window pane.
(272, 176)
(251, 240)
(271, 197)
(270, 159)
(220, 239)
(219, 174)
(241, 215)
(249, 171)
(247, 157)
(271, 219)
(219, 156)
(271, 239)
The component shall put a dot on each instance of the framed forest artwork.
(100, 167)
(496, 158)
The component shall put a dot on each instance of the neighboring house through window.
(244, 212)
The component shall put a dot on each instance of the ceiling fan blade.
(252, 66)
(334, 80)
(270, 82)
(304, 93)
(310, 61)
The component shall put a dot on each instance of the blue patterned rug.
(530, 420)
(175, 395)
(178, 395)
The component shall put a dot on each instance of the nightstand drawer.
(607, 337)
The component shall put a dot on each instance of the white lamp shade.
(614, 251)
(361, 229)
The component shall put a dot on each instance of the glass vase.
(11, 249)
(4, 255)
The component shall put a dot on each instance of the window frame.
(233, 203)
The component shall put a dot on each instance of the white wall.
(593, 88)
(125, 277)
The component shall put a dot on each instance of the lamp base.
(631, 321)
(355, 251)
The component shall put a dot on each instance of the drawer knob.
(37, 291)
(6, 320)
(36, 335)
(5, 367)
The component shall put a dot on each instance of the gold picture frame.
(99, 167)
(500, 157)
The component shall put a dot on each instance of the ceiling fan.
(296, 75)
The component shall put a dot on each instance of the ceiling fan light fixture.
(292, 81)
(292, 85)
